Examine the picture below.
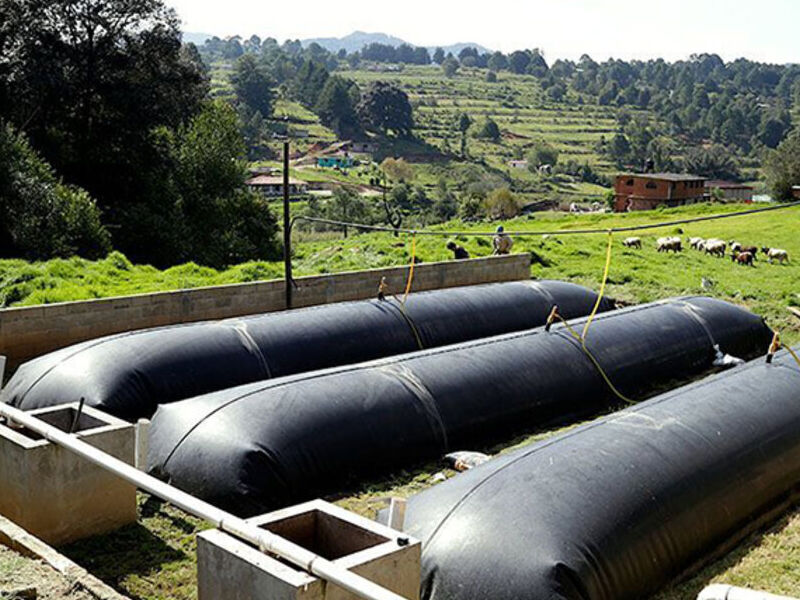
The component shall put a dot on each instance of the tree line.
(108, 137)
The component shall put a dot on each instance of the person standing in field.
(502, 242)
(459, 252)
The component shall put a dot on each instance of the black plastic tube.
(268, 444)
(128, 374)
(617, 508)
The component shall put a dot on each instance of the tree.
(772, 130)
(620, 149)
(40, 217)
(518, 61)
(309, 82)
(346, 205)
(715, 162)
(335, 108)
(497, 62)
(397, 169)
(445, 206)
(202, 211)
(450, 67)
(385, 107)
(252, 85)
(438, 56)
(502, 204)
(542, 153)
(89, 81)
(782, 167)
(491, 77)
(489, 131)
(464, 123)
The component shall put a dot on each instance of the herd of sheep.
(739, 253)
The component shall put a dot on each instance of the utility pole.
(287, 232)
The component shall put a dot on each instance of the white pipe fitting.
(719, 591)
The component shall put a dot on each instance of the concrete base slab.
(230, 569)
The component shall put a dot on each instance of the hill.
(354, 41)
(358, 39)
(196, 38)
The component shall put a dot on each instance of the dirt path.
(18, 572)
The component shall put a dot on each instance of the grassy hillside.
(636, 276)
(515, 102)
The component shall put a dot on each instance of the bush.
(502, 204)
(489, 131)
(40, 217)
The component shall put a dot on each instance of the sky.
(764, 30)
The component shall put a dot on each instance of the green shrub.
(40, 217)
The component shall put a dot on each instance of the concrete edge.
(252, 284)
(16, 538)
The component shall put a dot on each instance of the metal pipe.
(287, 228)
(720, 591)
(261, 538)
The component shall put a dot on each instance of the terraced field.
(515, 102)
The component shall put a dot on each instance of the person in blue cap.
(502, 242)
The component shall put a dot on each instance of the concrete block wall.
(27, 332)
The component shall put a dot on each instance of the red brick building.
(646, 191)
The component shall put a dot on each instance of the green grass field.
(635, 275)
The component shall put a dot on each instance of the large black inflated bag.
(272, 443)
(617, 508)
(129, 374)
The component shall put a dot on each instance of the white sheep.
(778, 254)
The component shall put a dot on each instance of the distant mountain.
(358, 39)
(196, 38)
(456, 48)
(355, 41)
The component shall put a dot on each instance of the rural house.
(730, 190)
(341, 162)
(646, 191)
(796, 191)
(361, 147)
(269, 185)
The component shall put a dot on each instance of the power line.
(445, 233)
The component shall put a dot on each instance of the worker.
(502, 242)
(459, 252)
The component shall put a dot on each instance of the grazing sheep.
(751, 249)
(715, 247)
(695, 242)
(778, 254)
(735, 247)
(632, 242)
(668, 243)
(742, 258)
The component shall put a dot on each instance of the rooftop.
(719, 183)
(272, 180)
(664, 176)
